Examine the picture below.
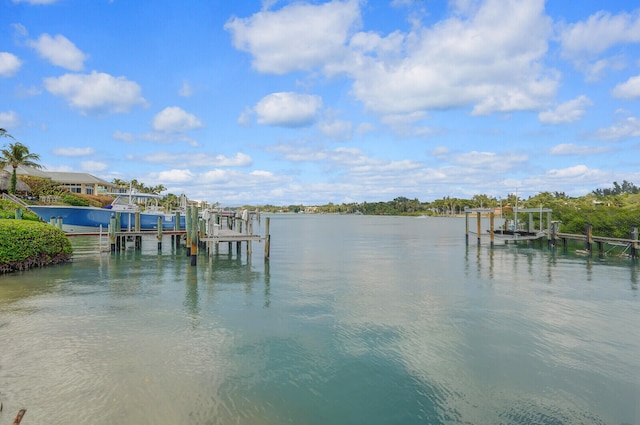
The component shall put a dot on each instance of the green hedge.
(26, 244)
(76, 201)
(8, 210)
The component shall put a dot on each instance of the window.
(74, 188)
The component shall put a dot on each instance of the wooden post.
(466, 232)
(19, 416)
(478, 214)
(188, 217)
(589, 237)
(239, 229)
(267, 239)
(634, 243)
(137, 222)
(159, 233)
(552, 237)
(59, 222)
(491, 227)
(112, 233)
(249, 231)
(194, 235)
(118, 221)
(176, 224)
(176, 227)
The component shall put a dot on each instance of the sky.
(311, 102)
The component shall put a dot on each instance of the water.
(355, 319)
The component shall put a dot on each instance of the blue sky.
(288, 102)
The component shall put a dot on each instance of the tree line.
(611, 211)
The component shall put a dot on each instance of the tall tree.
(16, 154)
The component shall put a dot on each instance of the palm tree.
(16, 154)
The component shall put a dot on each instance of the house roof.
(64, 177)
(27, 171)
(60, 176)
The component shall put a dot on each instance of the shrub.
(76, 201)
(8, 210)
(27, 244)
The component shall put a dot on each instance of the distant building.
(84, 183)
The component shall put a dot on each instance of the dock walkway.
(204, 230)
(550, 233)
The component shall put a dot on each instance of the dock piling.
(189, 225)
(267, 241)
(589, 238)
(112, 233)
(159, 233)
(194, 235)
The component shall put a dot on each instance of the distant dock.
(513, 231)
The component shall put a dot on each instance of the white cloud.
(186, 90)
(96, 92)
(188, 159)
(175, 120)
(288, 109)
(74, 151)
(299, 36)
(459, 62)
(336, 129)
(623, 129)
(245, 117)
(440, 151)
(598, 33)
(628, 90)
(571, 149)
(124, 136)
(462, 61)
(584, 42)
(93, 166)
(365, 128)
(9, 119)
(575, 172)
(239, 160)
(59, 51)
(174, 176)
(9, 64)
(570, 111)
(489, 161)
(233, 179)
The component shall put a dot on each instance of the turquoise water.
(355, 319)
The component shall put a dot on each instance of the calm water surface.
(355, 320)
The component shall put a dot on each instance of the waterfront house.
(84, 183)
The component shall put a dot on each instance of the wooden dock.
(204, 230)
(506, 235)
(550, 233)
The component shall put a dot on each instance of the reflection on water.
(376, 320)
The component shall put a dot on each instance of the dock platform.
(204, 230)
